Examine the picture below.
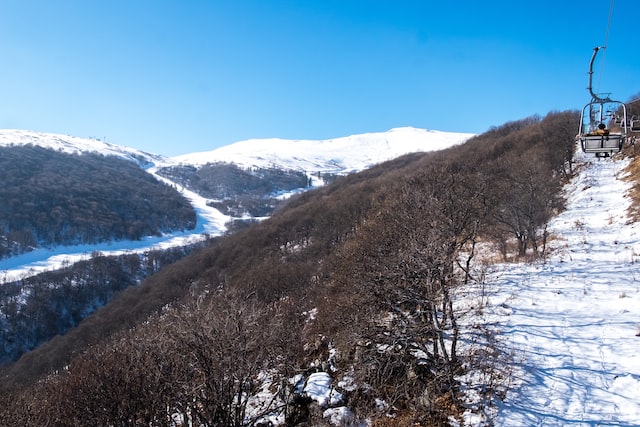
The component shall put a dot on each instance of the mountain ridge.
(75, 145)
(359, 151)
(336, 155)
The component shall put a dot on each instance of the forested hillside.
(36, 309)
(237, 191)
(50, 198)
(354, 282)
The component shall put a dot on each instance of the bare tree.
(224, 347)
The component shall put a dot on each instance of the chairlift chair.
(602, 110)
(607, 142)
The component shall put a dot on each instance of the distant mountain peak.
(336, 155)
(343, 154)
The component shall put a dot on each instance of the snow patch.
(318, 388)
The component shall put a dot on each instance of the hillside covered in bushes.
(50, 198)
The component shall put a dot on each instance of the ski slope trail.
(209, 222)
(573, 322)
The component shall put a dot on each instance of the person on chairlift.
(602, 130)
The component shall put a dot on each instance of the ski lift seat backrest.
(605, 144)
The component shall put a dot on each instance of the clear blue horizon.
(175, 77)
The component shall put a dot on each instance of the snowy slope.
(73, 145)
(572, 323)
(339, 155)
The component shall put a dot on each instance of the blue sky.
(179, 76)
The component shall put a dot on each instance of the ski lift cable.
(606, 42)
(606, 37)
(593, 133)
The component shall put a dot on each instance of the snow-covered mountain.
(73, 145)
(251, 178)
(337, 156)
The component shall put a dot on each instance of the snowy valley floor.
(572, 323)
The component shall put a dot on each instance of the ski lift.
(634, 124)
(603, 122)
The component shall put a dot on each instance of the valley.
(319, 160)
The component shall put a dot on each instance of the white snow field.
(572, 323)
(338, 155)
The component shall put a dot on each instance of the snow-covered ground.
(572, 323)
